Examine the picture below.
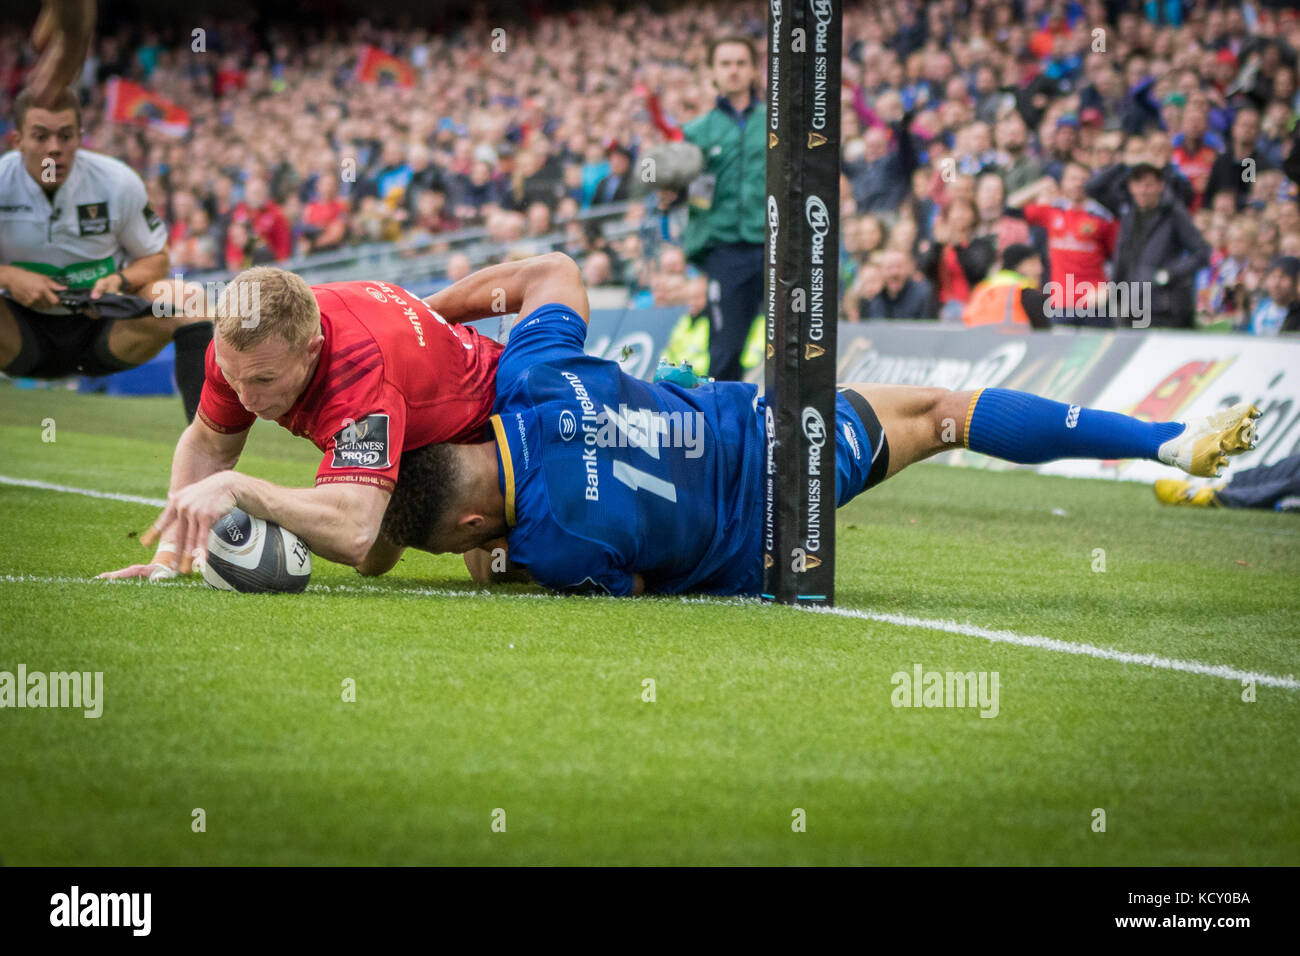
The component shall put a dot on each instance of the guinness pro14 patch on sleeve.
(362, 444)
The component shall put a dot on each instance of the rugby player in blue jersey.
(598, 482)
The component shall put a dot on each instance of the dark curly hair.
(428, 483)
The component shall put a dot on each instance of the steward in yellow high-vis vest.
(1012, 296)
(997, 300)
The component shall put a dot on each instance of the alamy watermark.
(923, 688)
(645, 428)
(1127, 302)
(75, 908)
(201, 300)
(75, 689)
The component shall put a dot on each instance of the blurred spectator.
(1013, 295)
(197, 251)
(458, 267)
(597, 270)
(956, 259)
(1159, 246)
(616, 186)
(1279, 311)
(993, 218)
(477, 193)
(1065, 140)
(538, 219)
(266, 226)
(324, 223)
(880, 179)
(1192, 155)
(900, 293)
(1015, 164)
(1221, 291)
(1234, 170)
(1081, 237)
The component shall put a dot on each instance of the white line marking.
(1288, 681)
(929, 624)
(1064, 647)
(89, 493)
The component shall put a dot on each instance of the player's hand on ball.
(191, 512)
(153, 572)
(161, 568)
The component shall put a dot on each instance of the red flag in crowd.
(131, 103)
(376, 66)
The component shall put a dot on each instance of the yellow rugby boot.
(1175, 491)
(1205, 444)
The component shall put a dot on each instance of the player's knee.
(157, 328)
(138, 340)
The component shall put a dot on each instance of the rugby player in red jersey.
(364, 370)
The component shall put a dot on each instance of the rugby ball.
(255, 556)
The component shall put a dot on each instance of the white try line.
(87, 492)
(1288, 681)
(1065, 647)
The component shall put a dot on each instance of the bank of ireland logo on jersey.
(568, 425)
(375, 293)
(362, 444)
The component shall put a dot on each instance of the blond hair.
(265, 301)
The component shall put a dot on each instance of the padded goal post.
(802, 299)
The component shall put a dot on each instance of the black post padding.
(802, 287)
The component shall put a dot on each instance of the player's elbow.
(353, 544)
(560, 264)
(355, 553)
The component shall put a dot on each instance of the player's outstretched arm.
(200, 452)
(338, 521)
(512, 288)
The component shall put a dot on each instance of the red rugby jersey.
(1079, 241)
(393, 375)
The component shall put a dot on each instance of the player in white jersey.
(75, 219)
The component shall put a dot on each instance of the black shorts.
(861, 447)
(56, 346)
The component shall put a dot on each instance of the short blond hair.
(265, 301)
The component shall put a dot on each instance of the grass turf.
(468, 701)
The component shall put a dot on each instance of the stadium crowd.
(1042, 145)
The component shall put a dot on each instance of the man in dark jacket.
(1158, 245)
(902, 294)
(882, 178)
(615, 187)
(1109, 185)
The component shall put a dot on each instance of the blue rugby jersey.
(605, 475)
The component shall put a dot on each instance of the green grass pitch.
(469, 701)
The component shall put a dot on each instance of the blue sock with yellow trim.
(1029, 430)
